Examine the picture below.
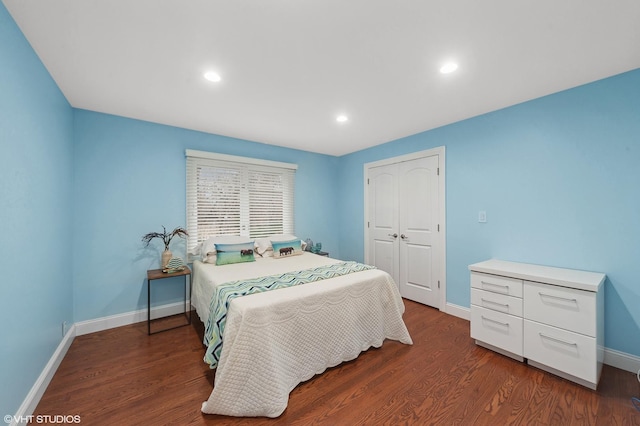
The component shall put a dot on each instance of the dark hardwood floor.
(124, 377)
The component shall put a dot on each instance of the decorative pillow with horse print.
(234, 253)
(282, 249)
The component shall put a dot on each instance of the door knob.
(393, 235)
(404, 237)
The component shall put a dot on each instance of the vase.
(166, 256)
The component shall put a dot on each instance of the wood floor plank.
(123, 376)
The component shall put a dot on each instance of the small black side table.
(157, 274)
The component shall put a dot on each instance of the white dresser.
(551, 317)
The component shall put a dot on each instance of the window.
(229, 195)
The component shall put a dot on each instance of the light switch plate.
(482, 216)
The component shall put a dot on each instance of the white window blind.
(229, 195)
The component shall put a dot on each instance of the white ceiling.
(289, 68)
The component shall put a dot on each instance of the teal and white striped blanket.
(226, 292)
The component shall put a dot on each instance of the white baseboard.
(621, 360)
(458, 311)
(128, 318)
(24, 413)
(37, 390)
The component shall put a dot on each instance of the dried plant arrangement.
(165, 236)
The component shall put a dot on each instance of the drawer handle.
(555, 339)
(506, 324)
(496, 285)
(506, 305)
(557, 297)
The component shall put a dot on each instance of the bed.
(276, 339)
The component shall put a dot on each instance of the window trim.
(239, 159)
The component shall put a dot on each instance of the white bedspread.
(275, 340)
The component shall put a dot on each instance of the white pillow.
(196, 250)
(282, 237)
(263, 245)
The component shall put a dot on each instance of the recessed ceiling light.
(212, 76)
(449, 67)
(342, 118)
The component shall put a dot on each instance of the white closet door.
(383, 219)
(418, 199)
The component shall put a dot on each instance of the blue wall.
(559, 178)
(36, 124)
(130, 179)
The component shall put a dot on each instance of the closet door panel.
(418, 207)
(383, 219)
(417, 279)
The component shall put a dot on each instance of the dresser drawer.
(568, 352)
(497, 284)
(496, 328)
(567, 308)
(497, 302)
